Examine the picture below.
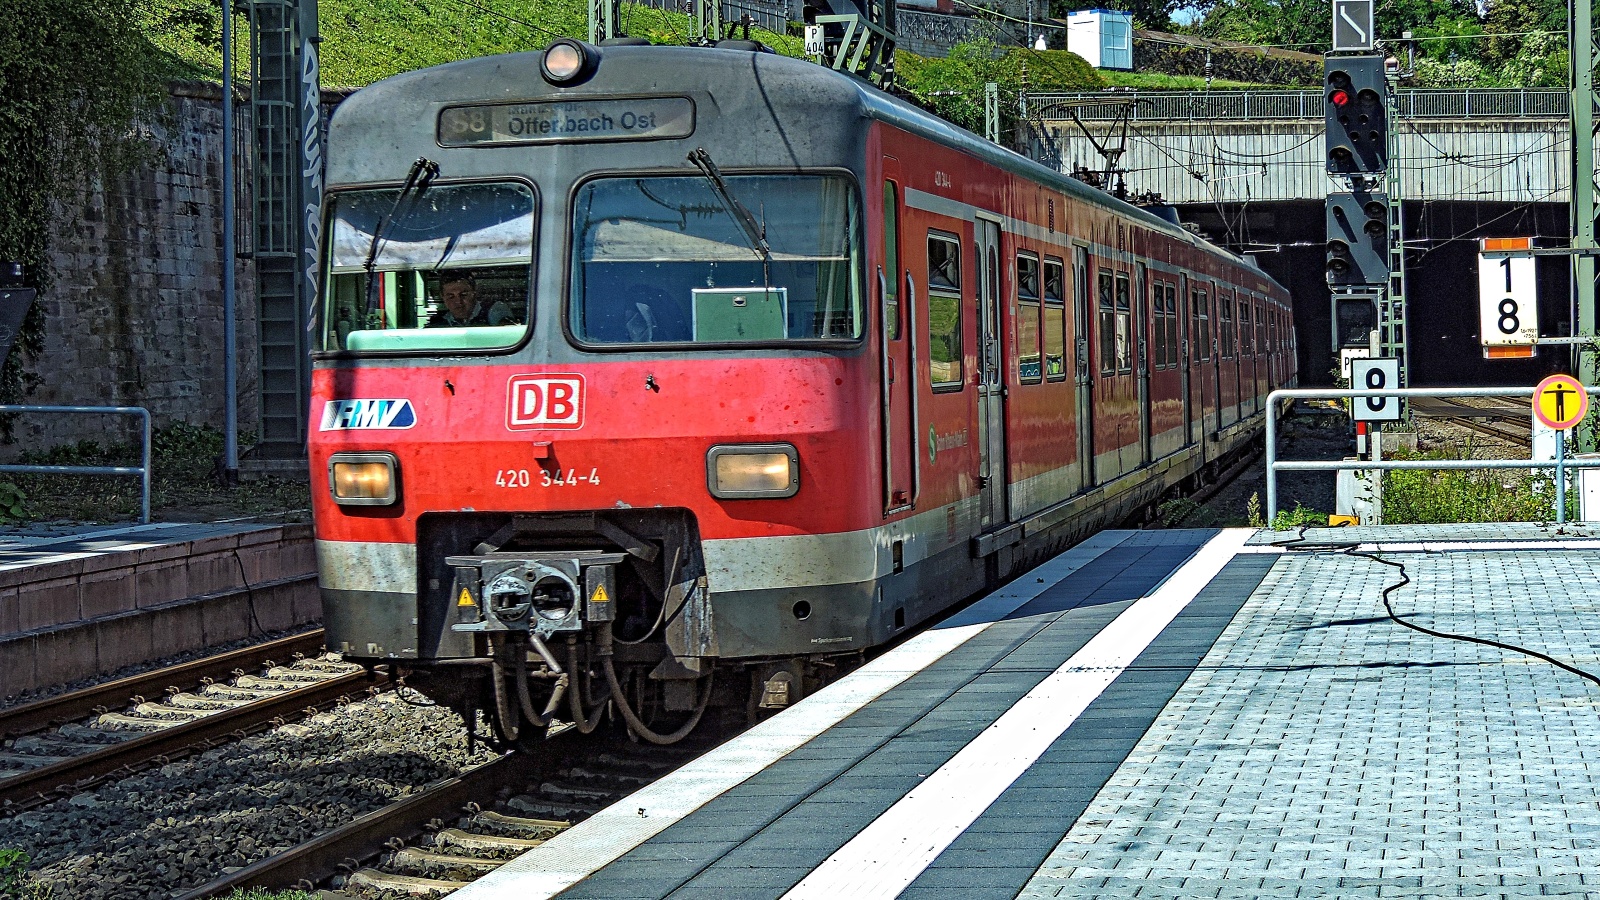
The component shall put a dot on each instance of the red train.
(639, 364)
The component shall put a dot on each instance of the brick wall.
(134, 316)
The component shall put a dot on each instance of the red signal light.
(1339, 98)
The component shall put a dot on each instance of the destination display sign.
(552, 122)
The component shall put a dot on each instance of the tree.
(953, 87)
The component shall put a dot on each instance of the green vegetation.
(1511, 43)
(1155, 81)
(184, 481)
(262, 894)
(1506, 495)
(14, 881)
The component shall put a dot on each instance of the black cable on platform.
(1298, 542)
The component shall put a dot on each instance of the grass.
(1156, 81)
(1419, 497)
(184, 483)
(262, 894)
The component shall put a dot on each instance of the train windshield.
(743, 259)
(446, 267)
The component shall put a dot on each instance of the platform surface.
(1164, 714)
(23, 548)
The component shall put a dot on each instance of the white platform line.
(1320, 544)
(601, 839)
(889, 854)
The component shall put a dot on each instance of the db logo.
(544, 401)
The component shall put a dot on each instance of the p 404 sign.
(1508, 300)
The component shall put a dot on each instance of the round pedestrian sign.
(1560, 402)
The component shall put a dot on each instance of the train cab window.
(1055, 319)
(890, 277)
(944, 310)
(1202, 325)
(444, 267)
(754, 259)
(1124, 324)
(1030, 365)
(1108, 326)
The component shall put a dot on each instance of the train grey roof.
(791, 89)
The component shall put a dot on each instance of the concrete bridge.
(1251, 146)
(1246, 169)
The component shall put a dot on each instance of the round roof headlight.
(568, 62)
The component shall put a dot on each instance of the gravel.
(168, 830)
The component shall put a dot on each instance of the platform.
(1163, 714)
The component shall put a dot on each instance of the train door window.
(1261, 329)
(944, 310)
(1108, 325)
(1202, 325)
(1172, 325)
(1125, 335)
(1030, 366)
(1158, 323)
(1055, 319)
(891, 260)
(1247, 334)
(1225, 324)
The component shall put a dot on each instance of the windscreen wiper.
(753, 233)
(421, 176)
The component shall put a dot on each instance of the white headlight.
(363, 479)
(568, 62)
(748, 471)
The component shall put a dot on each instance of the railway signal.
(1356, 105)
(1358, 239)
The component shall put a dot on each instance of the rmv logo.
(545, 401)
(338, 415)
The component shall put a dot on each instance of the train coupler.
(542, 593)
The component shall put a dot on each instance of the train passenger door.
(991, 377)
(898, 363)
(1141, 319)
(1185, 346)
(1083, 380)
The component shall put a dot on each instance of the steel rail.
(32, 788)
(51, 711)
(368, 835)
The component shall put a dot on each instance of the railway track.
(61, 745)
(1502, 421)
(463, 828)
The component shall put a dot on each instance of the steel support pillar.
(1393, 336)
(1585, 363)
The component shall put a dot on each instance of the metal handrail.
(143, 470)
(1274, 465)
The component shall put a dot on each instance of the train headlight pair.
(364, 479)
(753, 471)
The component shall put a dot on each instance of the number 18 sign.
(1508, 299)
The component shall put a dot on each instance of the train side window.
(1202, 324)
(891, 260)
(1246, 330)
(1261, 329)
(1108, 327)
(1055, 319)
(944, 310)
(1124, 324)
(1030, 366)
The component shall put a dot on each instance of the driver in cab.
(462, 308)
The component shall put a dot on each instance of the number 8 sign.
(1375, 375)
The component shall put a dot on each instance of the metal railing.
(1485, 103)
(142, 470)
(1275, 465)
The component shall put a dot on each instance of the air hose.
(635, 724)
(584, 723)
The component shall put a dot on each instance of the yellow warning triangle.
(465, 599)
(600, 595)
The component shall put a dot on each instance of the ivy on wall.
(79, 82)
